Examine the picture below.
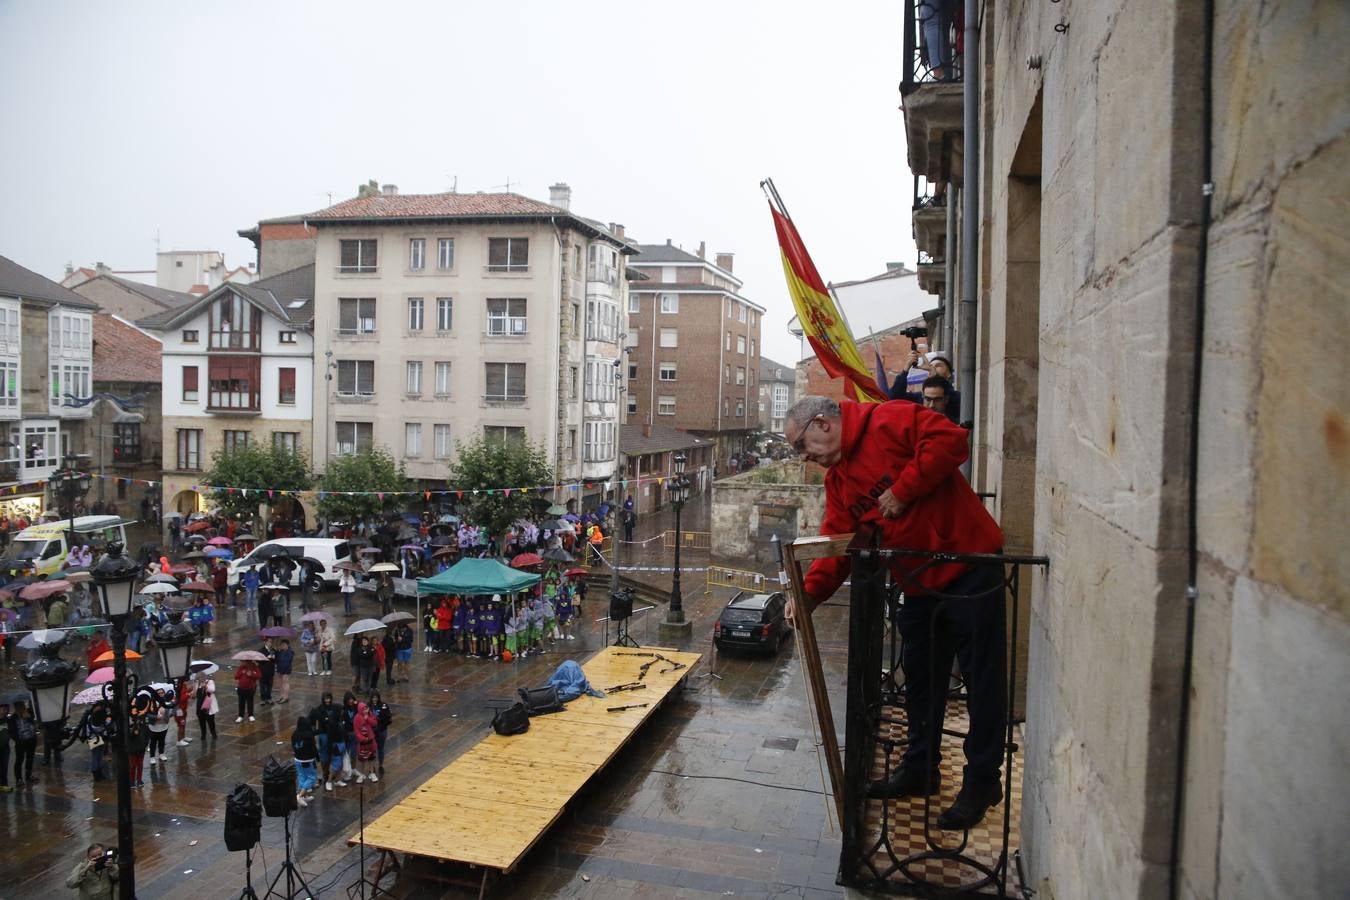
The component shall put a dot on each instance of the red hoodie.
(916, 454)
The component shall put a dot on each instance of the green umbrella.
(555, 510)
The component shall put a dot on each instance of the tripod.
(360, 883)
(622, 637)
(248, 893)
(289, 869)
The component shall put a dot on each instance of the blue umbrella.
(219, 553)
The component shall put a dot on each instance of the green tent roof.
(477, 576)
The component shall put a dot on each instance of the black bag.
(512, 720)
(243, 818)
(540, 701)
(278, 782)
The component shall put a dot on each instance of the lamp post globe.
(175, 642)
(114, 578)
(48, 681)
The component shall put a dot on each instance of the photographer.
(96, 875)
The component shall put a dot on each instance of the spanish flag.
(821, 321)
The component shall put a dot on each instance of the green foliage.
(369, 470)
(259, 466)
(498, 464)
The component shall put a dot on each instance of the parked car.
(752, 620)
(329, 551)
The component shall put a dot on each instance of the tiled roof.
(633, 442)
(159, 296)
(767, 366)
(664, 253)
(273, 294)
(123, 353)
(435, 206)
(16, 281)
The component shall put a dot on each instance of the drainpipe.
(970, 214)
(944, 338)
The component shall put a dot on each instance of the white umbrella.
(160, 577)
(158, 587)
(384, 567)
(204, 667)
(360, 626)
(400, 616)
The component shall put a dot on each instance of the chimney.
(616, 229)
(560, 195)
(667, 242)
(70, 269)
(702, 250)
(389, 190)
(895, 267)
(724, 260)
(101, 268)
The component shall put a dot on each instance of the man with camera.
(96, 875)
(937, 364)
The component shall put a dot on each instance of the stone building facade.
(1165, 752)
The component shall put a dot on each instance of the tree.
(369, 470)
(253, 471)
(495, 464)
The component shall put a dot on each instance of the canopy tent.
(474, 576)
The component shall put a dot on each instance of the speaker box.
(278, 783)
(243, 818)
(621, 605)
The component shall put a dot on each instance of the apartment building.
(694, 357)
(237, 367)
(46, 382)
(440, 318)
(126, 436)
(777, 384)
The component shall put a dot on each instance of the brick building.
(894, 346)
(693, 360)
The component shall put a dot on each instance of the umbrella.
(411, 548)
(446, 551)
(267, 551)
(576, 570)
(87, 696)
(203, 667)
(219, 553)
(160, 686)
(316, 616)
(448, 519)
(199, 525)
(101, 676)
(196, 540)
(219, 541)
(161, 577)
(556, 510)
(240, 538)
(275, 587)
(183, 569)
(247, 655)
(557, 554)
(35, 639)
(194, 554)
(571, 517)
(107, 656)
(384, 567)
(366, 551)
(277, 631)
(40, 590)
(361, 626)
(400, 616)
(349, 567)
(198, 587)
(527, 559)
(158, 587)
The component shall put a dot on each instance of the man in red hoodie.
(894, 467)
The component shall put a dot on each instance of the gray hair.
(810, 406)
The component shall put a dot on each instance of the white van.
(46, 545)
(329, 551)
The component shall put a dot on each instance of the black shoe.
(906, 781)
(972, 802)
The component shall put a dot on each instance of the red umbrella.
(41, 590)
(200, 587)
(199, 525)
(527, 559)
(576, 570)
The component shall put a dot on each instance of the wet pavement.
(718, 795)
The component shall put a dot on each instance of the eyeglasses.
(799, 445)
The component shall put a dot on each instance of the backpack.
(24, 730)
(512, 720)
(542, 700)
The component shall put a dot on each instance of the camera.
(107, 857)
(914, 332)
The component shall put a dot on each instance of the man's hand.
(912, 360)
(890, 506)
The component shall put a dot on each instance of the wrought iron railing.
(894, 844)
(931, 43)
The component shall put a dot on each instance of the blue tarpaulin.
(571, 682)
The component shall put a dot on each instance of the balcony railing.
(932, 34)
(894, 843)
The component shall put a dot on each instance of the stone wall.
(748, 507)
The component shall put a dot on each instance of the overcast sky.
(128, 120)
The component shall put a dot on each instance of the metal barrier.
(720, 576)
(930, 53)
(689, 540)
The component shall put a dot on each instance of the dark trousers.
(389, 658)
(24, 751)
(4, 762)
(206, 721)
(265, 684)
(245, 701)
(971, 629)
(157, 742)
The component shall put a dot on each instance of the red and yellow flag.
(821, 321)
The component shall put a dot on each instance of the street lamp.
(114, 577)
(48, 681)
(678, 490)
(175, 642)
(70, 484)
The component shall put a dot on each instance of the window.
(740, 374)
(604, 265)
(572, 443)
(189, 385)
(412, 439)
(505, 381)
(601, 384)
(665, 406)
(286, 337)
(414, 385)
(69, 334)
(286, 386)
(504, 434)
(740, 343)
(634, 302)
(666, 372)
(189, 336)
(189, 449)
(9, 384)
(740, 409)
(576, 318)
(780, 400)
(506, 316)
(415, 309)
(599, 441)
(508, 254)
(417, 254)
(235, 440)
(356, 256)
(233, 383)
(752, 346)
(670, 303)
(576, 260)
(353, 437)
(602, 321)
(235, 324)
(726, 375)
(70, 379)
(441, 435)
(356, 377)
(728, 341)
(9, 326)
(731, 309)
(632, 404)
(740, 313)
(445, 254)
(572, 383)
(670, 337)
(127, 441)
(445, 313)
(632, 371)
(356, 315)
(442, 379)
(288, 441)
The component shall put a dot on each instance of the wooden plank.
(809, 549)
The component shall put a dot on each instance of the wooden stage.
(493, 803)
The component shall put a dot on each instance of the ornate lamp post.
(70, 484)
(48, 681)
(175, 642)
(114, 577)
(675, 626)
